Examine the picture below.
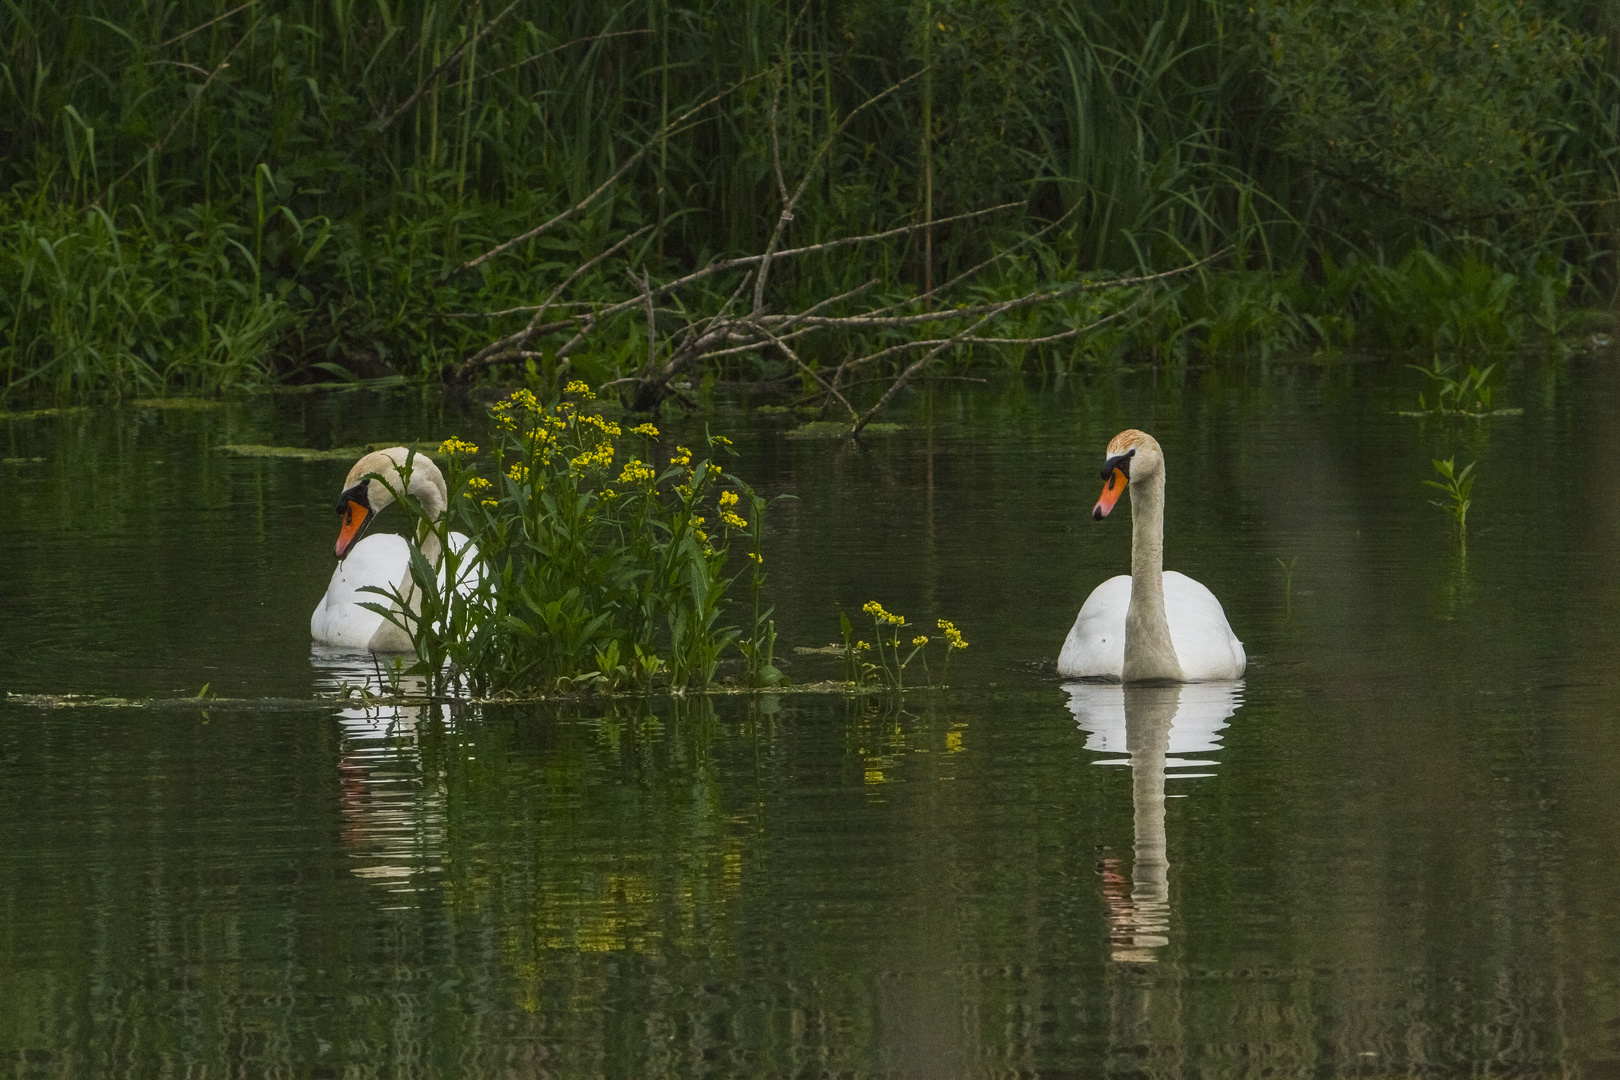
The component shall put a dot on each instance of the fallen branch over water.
(732, 328)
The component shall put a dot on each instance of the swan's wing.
(1095, 647)
(1205, 644)
(382, 560)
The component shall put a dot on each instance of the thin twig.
(482, 356)
(629, 164)
(158, 146)
(453, 60)
(810, 171)
(206, 25)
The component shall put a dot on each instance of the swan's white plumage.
(382, 560)
(1203, 639)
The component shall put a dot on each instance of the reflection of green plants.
(598, 569)
(893, 652)
(1455, 486)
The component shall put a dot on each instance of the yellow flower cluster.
(732, 519)
(606, 427)
(861, 646)
(875, 609)
(602, 455)
(757, 557)
(920, 639)
(953, 636)
(719, 440)
(645, 429)
(636, 472)
(580, 388)
(476, 486)
(683, 456)
(454, 445)
(714, 471)
(519, 472)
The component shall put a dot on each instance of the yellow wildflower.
(953, 636)
(645, 429)
(728, 498)
(757, 557)
(861, 646)
(580, 388)
(920, 639)
(635, 472)
(453, 445)
(719, 440)
(732, 520)
(518, 472)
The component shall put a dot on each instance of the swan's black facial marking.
(354, 508)
(356, 494)
(1122, 462)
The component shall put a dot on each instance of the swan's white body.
(1205, 646)
(383, 561)
(1151, 625)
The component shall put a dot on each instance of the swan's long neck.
(1149, 652)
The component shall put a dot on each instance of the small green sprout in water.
(1288, 583)
(1456, 487)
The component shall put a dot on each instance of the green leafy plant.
(595, 568)
(1455, 486)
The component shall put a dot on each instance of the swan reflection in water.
(393, 813)
(1164, 731)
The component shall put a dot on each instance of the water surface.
(1393, 849)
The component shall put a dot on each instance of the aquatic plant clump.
(890, 655)
(603, 568)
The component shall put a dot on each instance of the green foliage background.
(202, 195)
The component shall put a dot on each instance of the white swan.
(1151, 625)
(384, 560)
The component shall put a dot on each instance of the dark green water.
(1394, 850)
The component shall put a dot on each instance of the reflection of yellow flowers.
(953, 636)
(454, 445)
(920, 639)
(580, 388)
(645, 429)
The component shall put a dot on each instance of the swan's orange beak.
(355, 519)
(1112, 490)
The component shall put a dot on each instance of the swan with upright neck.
(383, 560)
(1154, 625)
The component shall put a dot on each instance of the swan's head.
(372, 484)
(1131, 454)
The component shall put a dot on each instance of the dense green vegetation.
(202, 195)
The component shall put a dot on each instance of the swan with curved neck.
(381, 560)
(1153, 625)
